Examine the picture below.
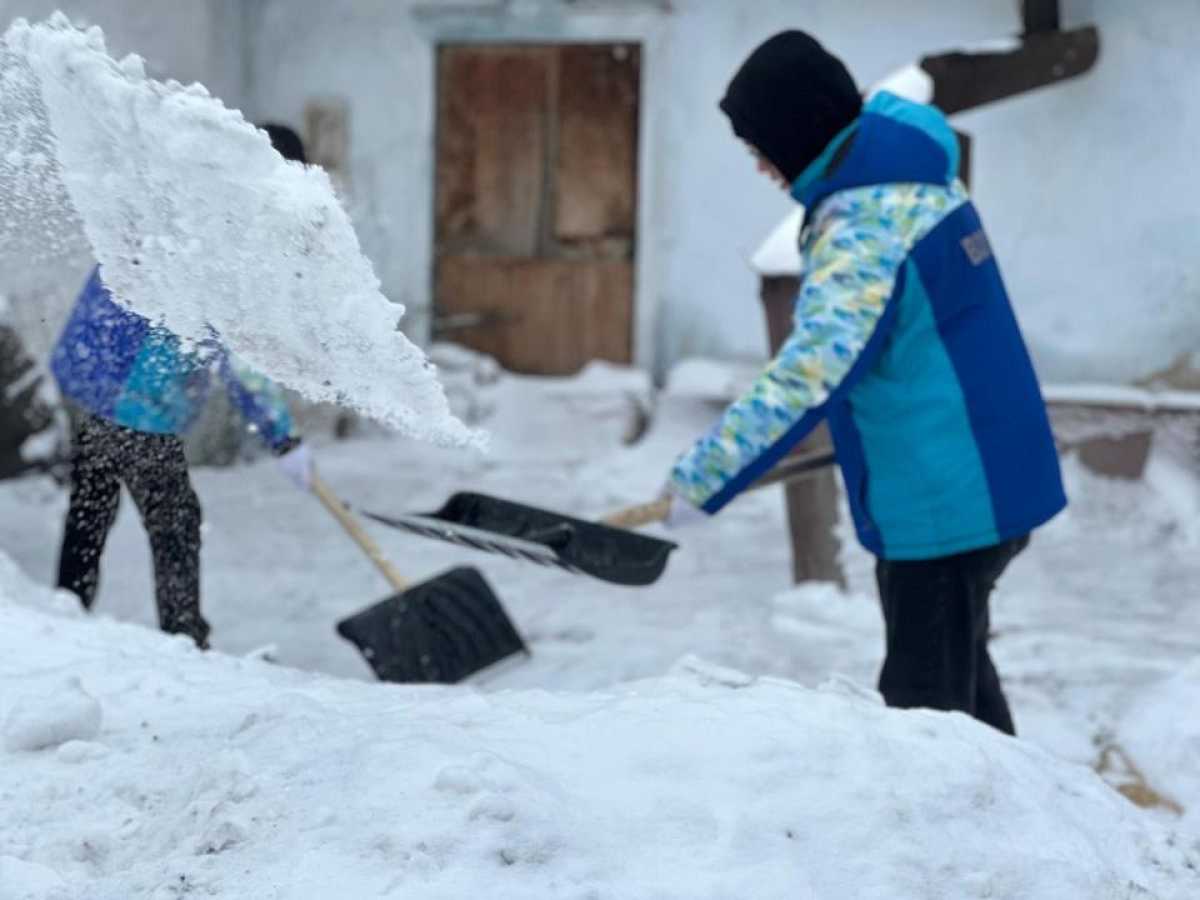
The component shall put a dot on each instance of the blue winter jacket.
(116, 364)
(905, 342)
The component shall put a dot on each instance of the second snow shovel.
(444, 629)
(607, 550)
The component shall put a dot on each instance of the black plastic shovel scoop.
(444, 629)
(527, 533)
(608, 549)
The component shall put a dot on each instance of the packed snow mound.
(716, 380)
(50, 718)
(198, 223)
(1164, 735)
(217, 776)
(20, 880)
(540, 421)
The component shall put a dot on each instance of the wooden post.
(812, 504)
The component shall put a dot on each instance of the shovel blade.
(611, 554)
(439, 631)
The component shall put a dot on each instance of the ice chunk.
(199, 224)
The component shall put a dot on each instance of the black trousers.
(152, 467)
(936, 619)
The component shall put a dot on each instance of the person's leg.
(936, 616)
(991, 706)
(157, 477)
(930, 647)
(95, 496)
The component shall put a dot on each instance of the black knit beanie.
(790, 99)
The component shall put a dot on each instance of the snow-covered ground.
(671, 741)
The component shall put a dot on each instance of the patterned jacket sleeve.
(261, 403)
(851, 265)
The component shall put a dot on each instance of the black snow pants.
(152, 467)
(936, 619)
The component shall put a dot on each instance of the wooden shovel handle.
(636, 516)
(791, 469)
(339, 511)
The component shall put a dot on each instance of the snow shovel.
(607, 550)
(441, 630)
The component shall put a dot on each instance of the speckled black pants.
(936, 618)
(152, 467)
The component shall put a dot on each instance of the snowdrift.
(1164, 733)
(134, 766)
(199, 224)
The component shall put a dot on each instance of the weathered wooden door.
(536, 202)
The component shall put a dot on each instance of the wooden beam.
(1040, 16)
(963, 80)
(964, 157)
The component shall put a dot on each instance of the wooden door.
(536, 202)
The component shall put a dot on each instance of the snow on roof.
(719, 380)
(780, 252)
(911, 82)
(1119, 396)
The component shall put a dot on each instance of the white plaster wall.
(703, 206)
(380, 56)
(719, 208)
(188, 40)
(1087, 188)
(1091, 196)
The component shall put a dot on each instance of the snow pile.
(1163, 733)
(50, 718)
(715, 380)
(542, 420)
(198, 223)
(28, 881)
(1106, 395)
(223, 777)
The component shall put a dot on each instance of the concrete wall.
(703, 207)
(1087, 188)
(188, 40)
(1091, 196)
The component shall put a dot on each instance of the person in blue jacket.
(135, 388)
(904, 341)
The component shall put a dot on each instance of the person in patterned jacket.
(905, 343)
(134, 389)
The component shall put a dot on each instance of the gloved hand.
(297, 465)
(682, 513)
